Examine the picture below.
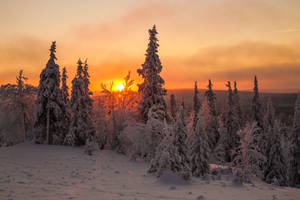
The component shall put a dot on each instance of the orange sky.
(218, 39)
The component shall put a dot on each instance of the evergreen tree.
(182, 103)
(275, 171)
(294, 147)
(151, 89)
(86, 79)
(211, 118)
(20, 79)
(237, 107)
(173, 106)
(154, 128)
(86, 76)
(171, 153)
(65, 97)
(81, 127)
(197, 105)
(50, 121)
(269, 120)
(64, 87)
(257, 115)
(218, 153)
(248, 158)
(20, 99)
(199, 153)
(232, 126)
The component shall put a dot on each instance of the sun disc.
(120, 86)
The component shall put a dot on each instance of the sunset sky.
(199, 39)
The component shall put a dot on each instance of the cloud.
(274, 63)
(22, 52)
(145, 14)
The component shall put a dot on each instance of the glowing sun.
(119, 87)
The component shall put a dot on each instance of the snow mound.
(169, 177)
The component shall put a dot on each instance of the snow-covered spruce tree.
(171, 153)
(294, 148)
(269, 117)
(197, 105)
(20, 99)
(268, 124)
(65, 97)
(154, 127)
(86, 80)
(151, 89)
(50, 119)
(248, 157)
(211, 117)
(257, 115)
(182, 103)
(81, 125)
(275, 171)
(199, 151)
(64, 87)
(218, 153)
(173, 106)
(232, 126)
(237, 107)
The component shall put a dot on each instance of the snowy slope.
(29, 171)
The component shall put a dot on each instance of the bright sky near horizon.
(217, 39)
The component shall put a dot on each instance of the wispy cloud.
(289, 30)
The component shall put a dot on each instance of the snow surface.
(30, 171)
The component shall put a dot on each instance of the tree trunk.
(48, 124)
(24, 128)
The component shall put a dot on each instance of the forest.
(253, 142)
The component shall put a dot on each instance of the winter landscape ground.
(31, 171)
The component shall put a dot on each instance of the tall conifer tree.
(173, 106)
(294, 149)
(232, 126)
(151, 89)
(172, 153)
(81, 127)
(199, 153)
(275, 170)
(211, 123)
(237, 106)
(197, 105)
(50, 121)
(64, 87)
(257, 115)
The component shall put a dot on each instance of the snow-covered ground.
(29, 171)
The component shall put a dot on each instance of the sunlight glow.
(119, 87)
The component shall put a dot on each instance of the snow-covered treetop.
(211, 99)
(255, 89)
(196, 99)
(20, 82)
(256, 105)
(235, 90)
(152, 61)
(64, 87)
(86, 75)
(53, 51)
(230, 99)
(79, 69)
(153, 44)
